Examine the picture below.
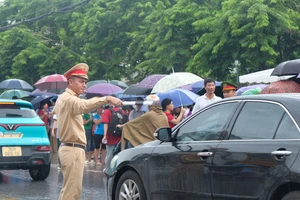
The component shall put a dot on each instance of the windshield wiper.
(13, 115)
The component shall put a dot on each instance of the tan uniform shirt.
(69, 109)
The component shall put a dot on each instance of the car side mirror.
(163, 134)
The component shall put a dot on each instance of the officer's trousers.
(72, 166)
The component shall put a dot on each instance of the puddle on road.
(6, 198)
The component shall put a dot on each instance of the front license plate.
(11, 151)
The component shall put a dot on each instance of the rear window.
(15, 111)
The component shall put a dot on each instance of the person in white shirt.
(209, 97)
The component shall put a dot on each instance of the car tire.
(40, 172)
(130, 186)
(292, 195)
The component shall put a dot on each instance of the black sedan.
(237, 148)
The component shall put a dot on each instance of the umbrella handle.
(131, 103)
(180, 98)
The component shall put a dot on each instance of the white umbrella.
(263, 76)
(175, 80)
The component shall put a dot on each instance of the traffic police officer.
(229, 89)
(69, 109)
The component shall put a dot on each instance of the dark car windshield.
(16, 112)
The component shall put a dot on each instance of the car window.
(287, 129)
(17, 112)
(207, 125)
(257, 120)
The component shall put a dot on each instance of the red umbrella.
(54, 82)
(282, 86)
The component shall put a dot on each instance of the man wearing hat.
(69, 109)
(229, 89)
(137, 111)
(140, 130)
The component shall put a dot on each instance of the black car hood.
(149, 144)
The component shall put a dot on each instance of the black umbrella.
(15, 84)
(91, 83)
(43, 98)
(136, 90)
(290, 67)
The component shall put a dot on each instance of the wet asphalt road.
(18, 185)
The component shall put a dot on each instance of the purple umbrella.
(102, 89)
(151, 80)
(240, 91)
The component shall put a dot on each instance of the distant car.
(238, 148)
(24, 142)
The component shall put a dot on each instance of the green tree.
(13, 42)
(121, 38)
(248, 31)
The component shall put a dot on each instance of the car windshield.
(16, 111)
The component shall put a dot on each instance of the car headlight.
(114, 161)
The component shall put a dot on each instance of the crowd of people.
(80, 129)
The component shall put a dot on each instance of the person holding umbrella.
(43, 112)
(168, 108)
(69, 109)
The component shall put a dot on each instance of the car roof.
(21, 103)
(284, 98)
(280, 97)
(290, 101)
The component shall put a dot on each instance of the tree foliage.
(131, 39)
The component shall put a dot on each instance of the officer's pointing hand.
(114, 101)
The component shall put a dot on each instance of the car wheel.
(130, 186)
(39, 173)
(292, 195)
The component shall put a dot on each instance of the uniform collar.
(68, 90)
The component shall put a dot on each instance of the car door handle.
(281, 153)
(205, 154)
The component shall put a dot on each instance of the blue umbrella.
(179, 97)
(127, 97)
(15, 84)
